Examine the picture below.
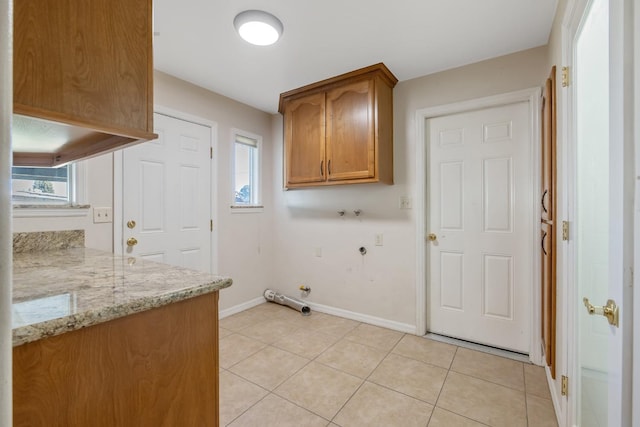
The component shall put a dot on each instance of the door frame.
(118, 161)
(622, 125)
(533, 97)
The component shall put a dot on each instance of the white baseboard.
(365, 318)
(241, 307)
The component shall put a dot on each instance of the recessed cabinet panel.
(340, 130)
(304, 123)
(350, 132)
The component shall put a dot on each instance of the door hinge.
(565, 385)
(211, 224)
(565, 230)
(565, 76)
(211, 152)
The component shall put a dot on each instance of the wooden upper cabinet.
(340, 130)
(84, 70)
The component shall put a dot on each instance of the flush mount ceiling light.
(258, 27)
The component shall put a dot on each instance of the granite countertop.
(62, 290)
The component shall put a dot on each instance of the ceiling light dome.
(258, 27)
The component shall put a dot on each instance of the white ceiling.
(196, 41)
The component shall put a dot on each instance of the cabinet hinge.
(211, 224)
(565, 76)
(211, 152)
(565, 385)
(565, 230)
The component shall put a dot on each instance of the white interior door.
(599, 260)
(480, 218)
(167, 195)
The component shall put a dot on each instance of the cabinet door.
(547, 202)
(548, 295)
(351, 148)
(304, 120)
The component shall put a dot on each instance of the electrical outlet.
(405, 202)
(378, 239)
(101, 215)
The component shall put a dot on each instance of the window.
(38, 191)
(51, 186)
(246, 170)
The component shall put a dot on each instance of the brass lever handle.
(132, 241)
(610, 311)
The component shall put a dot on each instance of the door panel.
(497, 186)
(167, 195)
(480, 212)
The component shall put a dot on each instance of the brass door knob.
(432, 237)
(610, 311)
(132, 241)
(131, 224)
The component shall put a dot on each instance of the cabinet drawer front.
(350, 131)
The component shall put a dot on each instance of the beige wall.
(277, 247)
(244, 239)
(381, 284)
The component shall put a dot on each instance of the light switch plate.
(101, 215)
(405, 202)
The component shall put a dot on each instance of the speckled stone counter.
(63, 290)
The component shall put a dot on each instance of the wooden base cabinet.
(340, 130)
(154, 368)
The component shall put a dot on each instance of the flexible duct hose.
(278, 298)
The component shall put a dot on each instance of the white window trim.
(78, 206)
(236, 208)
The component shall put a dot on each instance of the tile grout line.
(345, 338)
(435, 405)
(364, 380)
(526, 404)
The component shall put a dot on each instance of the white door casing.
(479, 265)
(167, 191)
(533, 97)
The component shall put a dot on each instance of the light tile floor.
(279, 368)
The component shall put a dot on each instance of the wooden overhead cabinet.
(340, 130)
(83, 78)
